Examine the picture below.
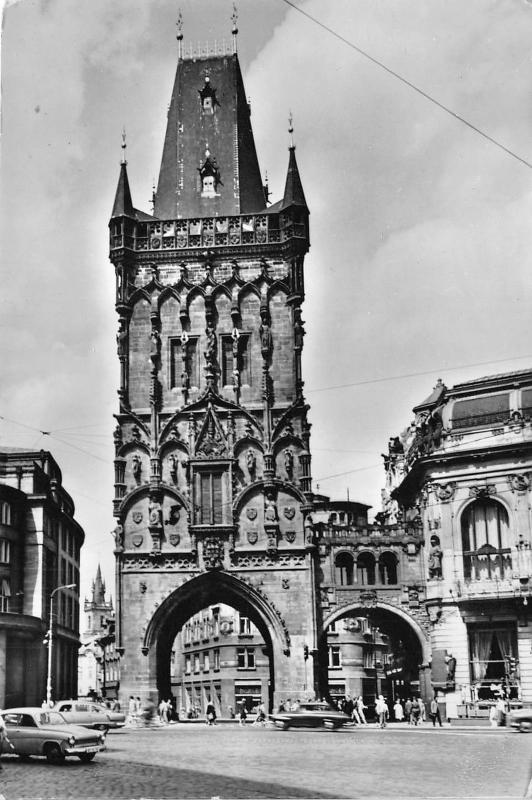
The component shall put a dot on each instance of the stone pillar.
(3, 665)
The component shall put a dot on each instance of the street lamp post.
(50, 638)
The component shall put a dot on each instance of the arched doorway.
(371, 651)
(203, 592)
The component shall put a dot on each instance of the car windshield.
(51, 718)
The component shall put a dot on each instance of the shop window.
(486, 541)
(366, 569)
(388, 569)
(343, 567)
(493, 656)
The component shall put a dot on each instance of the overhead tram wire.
(411, 85)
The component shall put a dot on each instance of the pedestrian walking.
(398, 712)
(163, 711)
(260, 719)
(435, 712)
(408, 711)
(415, 712)
(422, 711)
(360, 708)
(242, 714)
(5, 744)
(348, 706)
(210, 713)
(381, 709)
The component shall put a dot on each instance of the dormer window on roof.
(210, 177)
(208, 97)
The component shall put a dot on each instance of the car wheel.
(329, 724)
(54, 754)
(86, 757)
(283, 726)
(525, 726)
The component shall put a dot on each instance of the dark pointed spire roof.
(208, 110)
(293, 190)
(98, 590)
(123, 205)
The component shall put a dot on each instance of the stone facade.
(40, 544)
(462, 472)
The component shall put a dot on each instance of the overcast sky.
(420, 228)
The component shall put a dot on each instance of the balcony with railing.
(189, 234)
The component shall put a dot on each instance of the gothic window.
(343, 567)
(191, 364)
(366, 569)
(388, 569)
(210, 498)
(208, 97)
(486, 541)
(242, 359)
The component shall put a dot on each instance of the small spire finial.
(291, 130)
(179, 37)
(123, 145)
(234, 18)
(152, 201)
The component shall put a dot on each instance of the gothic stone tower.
(212, 444)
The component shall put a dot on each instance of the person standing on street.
(210, 713)
(435, 712)
(242, 714)
(415, 712)
(381, 709)
(360, 707)
(398, 711)
(408, 711)
(422, 711)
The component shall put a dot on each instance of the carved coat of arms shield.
(251, 513)
(137, 539)
(174, 539)
(290, 536)
(289, 512)
(137, 517)
(252, 536)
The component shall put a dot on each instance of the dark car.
(521, 719)
(41, 732)
(311, 715)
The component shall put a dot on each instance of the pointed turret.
(293, 190)
(123, 205)
(98, 588)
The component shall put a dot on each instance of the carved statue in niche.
(172, 460)
(136, 468)
(435, 557)
(289, 462)
(251, 463)
(155, 513)
(155, 344)
(211, 344)
(270, 509)
(451, 667)
(265, 331)
(299, 330)
(121, 338)
(185, 380)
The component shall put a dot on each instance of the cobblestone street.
(192, 761)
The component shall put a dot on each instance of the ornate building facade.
(40, 544)
(462, 472)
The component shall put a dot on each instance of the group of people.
(147, 713)
(354, 707)
(413, 712)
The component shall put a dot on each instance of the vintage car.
(88, 714)
(311, 715)
(43, 732)
(521, 719)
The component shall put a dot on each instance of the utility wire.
(409, 84)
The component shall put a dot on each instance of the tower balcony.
(242, 230)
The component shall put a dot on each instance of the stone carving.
(289, 462)
(213, 551)
(172, 460)
(143, 587)
(368, 598)
(174, 539)
(210, 350)
(413, 597)
(155, 345)
(289, 512)
(285, 583)
(173, 517)
(271, 547)
(137, 539)
(435, 558)
(137, 517)
(445, 491)
(136, 468)
(251, 513)
(290, 536)
(265, 331)
(155, 513)
(135, 433)
(118, 533)
(121, 338)
(251, 463)
(270, 509)
(434, 613)
(482, 491)
(252, 536)
(519, 483)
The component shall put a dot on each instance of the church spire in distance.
(123, 205)
(293, 190)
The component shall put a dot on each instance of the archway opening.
(214, 645)
(366, 652)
